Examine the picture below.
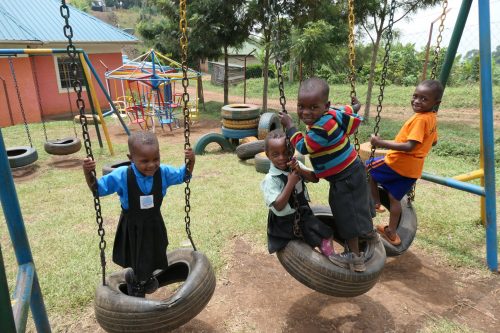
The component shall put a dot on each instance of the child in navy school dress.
(283, 178)
(141, 237)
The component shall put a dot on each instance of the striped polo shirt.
(327, 141)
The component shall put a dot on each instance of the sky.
(416, 29)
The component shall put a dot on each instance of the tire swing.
(64, 146)
(116, 311)
(313, 269)
(22, 155)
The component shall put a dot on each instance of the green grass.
(441, 325)
(226, 202)
(454, 97)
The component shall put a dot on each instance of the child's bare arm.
(356, 105)
(89, 166)
(191, 157)
(282, 199)
(399, 146)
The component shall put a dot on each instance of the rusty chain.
(19, 99)
(185, 110)
(437, 49)
(352, 59)
(383, 75)
(80, 103)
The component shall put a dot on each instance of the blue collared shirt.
(116, 181)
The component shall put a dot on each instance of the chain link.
(352, 60)
(296, 221)
(19, 99)
(77, 86)
(384, 74)
(39, 98)
(437, 50)
(185, 110)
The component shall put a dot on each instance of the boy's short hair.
(315, 83)
(274, 134)
(434, 85)
(141, 138)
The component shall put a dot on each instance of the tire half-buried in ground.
(117, 312)
(205, 140)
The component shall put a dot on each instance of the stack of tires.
(240, 120)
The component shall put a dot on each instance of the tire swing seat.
(407, 227)
(117, 312)
(314, 270)
(21, 156)
(108, 168)
(64, 146)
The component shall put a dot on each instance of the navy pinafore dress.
(141, 237)
(280, 228)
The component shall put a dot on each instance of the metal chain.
(18, 93)
(185, 109)
(438, 41)
(352, 59)
(384, 74)
(77, 86)
(296, 227)
(67, 79)
(33, 64)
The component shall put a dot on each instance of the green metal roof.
(40, 21)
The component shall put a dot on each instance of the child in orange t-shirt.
(404, 162)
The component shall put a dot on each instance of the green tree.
(374, 18)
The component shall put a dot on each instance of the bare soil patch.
(255, 294)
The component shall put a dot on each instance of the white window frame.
(62, 90)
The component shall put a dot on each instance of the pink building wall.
(54, 103)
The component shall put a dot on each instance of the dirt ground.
(255, 294)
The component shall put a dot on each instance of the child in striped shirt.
(333, 158)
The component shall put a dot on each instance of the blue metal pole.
(488, 133)
(105, 93)
(17, 231)
(450, 182)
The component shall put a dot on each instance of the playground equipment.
(22, 155)
(150, 89)
(304, 263)
(60, 146)
(486, 172)
(87, 68)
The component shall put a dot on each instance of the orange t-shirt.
(421, 127)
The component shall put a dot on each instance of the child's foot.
(134, 288)
(379, 208)
(387, 234)
(349, 260)
(327, 247)
(151, 285)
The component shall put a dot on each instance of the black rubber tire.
(314, 270)
(407, 228)
(205, 140)
(240, 111)
(240, 124)
(64, 146)
(110, 167)
(117, 312)
(268, 121)
(250, 149)
(21, 156)
(262, 163)
(238, 133)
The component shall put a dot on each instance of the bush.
(255, 71)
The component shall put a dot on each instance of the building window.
(65, 73)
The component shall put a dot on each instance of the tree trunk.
(265, 74)
(371, 78)
(201, 98)
(226, 76)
